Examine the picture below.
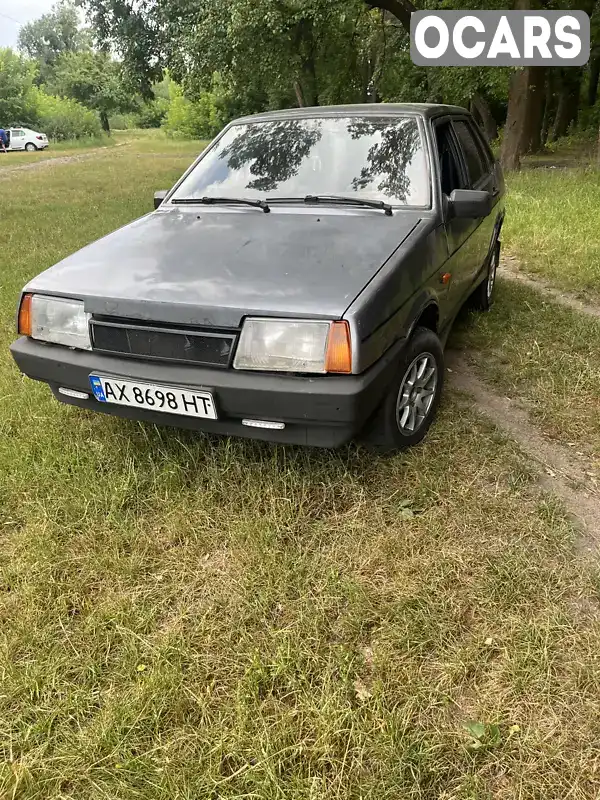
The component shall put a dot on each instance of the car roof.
(427, 110)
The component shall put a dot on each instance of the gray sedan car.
(297, 284)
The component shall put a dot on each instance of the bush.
(61, 118)
(195, 119)
(122, 122)
(152, 114)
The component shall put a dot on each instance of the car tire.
(482, 298)
(408, 410)
(30, 147)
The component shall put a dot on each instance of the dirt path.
(566, 472)
(510, 268)
(48, 162)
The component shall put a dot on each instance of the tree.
(279, 53)
(52, 35)
(95, 80)
(17, 101)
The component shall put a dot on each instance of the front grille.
(209, 347)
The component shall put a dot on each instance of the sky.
(13, 12)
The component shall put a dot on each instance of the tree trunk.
(305, 44)
(401, 9)
(483, 112)
(548, 106)
(104, 122)
(512, 143)
(299, 95)
(532, 125)
(309, 82)
(568, 102)
(593, 84)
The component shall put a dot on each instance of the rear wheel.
(483, 296)
(410, 405)
(30, 147)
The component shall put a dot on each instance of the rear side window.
(473, 156)
(449, 168)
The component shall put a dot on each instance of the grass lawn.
(547, 355)
(188, 617)
(144, 141)
(553, 226)
(56, 150)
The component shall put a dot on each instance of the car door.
(480, 175)
(17, 139)
(461, 250)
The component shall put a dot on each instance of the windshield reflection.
(361, 157)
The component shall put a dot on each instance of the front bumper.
(324, 410)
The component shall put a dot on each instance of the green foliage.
(152, 114)
(52, 35)
(122, 122)
(94, 79)
(63, 118)
(17, 101)
(202, 118)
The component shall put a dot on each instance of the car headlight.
(294, 345)
(55, 319)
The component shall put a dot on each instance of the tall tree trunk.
(532, 125)
(548, 106)
(299, 96)
(305, 44)
(568, 101)
(593, 84)
(482, 111)
(512, 143)
(104, 122)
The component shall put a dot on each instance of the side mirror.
(159, 197)
(469, 204)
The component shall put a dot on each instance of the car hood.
(213, 267)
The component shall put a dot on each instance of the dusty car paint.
(213, 266)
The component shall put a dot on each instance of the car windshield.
(370, 158)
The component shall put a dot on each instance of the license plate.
(153, 397)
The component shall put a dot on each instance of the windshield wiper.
(334, 199)
(210, 201)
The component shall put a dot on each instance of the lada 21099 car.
(297, 284)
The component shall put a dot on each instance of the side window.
(473, 156)
(18, 133)
(450, 173)
(484, 148)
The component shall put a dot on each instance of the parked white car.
(25, 139)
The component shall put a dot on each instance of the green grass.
(143, 141)
(189, 617)
(56, 150)
(552, 226)
(545, 354)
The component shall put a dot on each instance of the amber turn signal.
(339, 353)
(25, 315)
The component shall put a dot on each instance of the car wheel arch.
(428, 317)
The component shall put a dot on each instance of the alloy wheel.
(491, 280)
(416, 394)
